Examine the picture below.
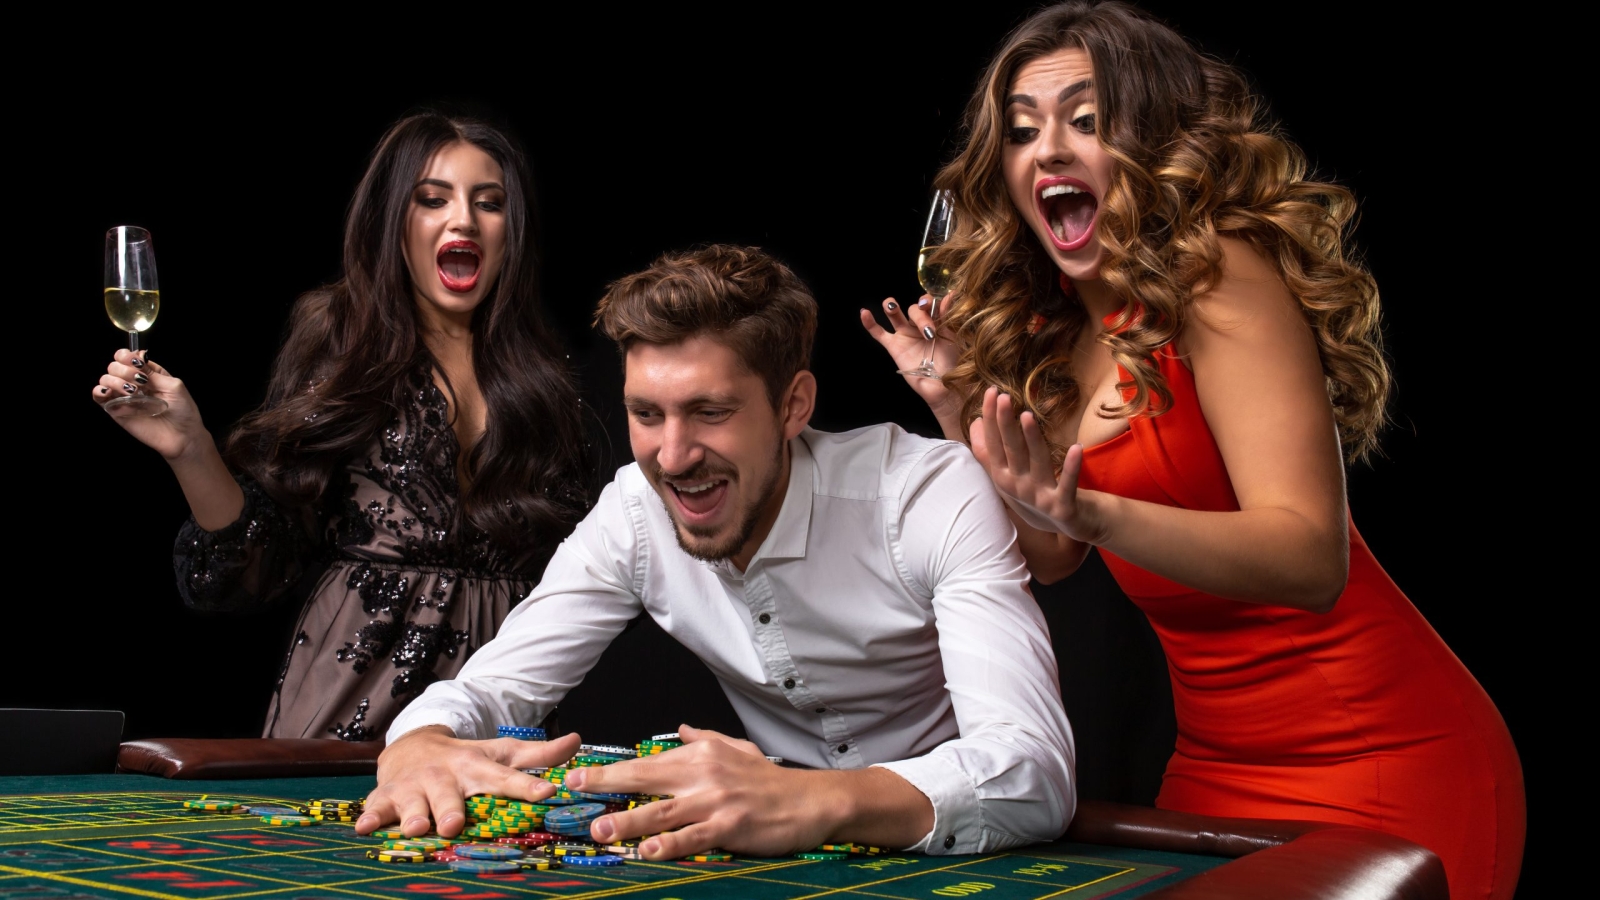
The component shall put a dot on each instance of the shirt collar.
(787, 539)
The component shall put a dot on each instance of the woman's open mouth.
(458, 265)
(1068, 209)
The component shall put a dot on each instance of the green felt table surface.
(96, 836)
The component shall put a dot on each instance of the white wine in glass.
(133, 297)
(934, 277)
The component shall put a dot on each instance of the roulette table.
(74, 837)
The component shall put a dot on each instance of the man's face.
(709, 441)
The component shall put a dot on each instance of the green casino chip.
(288, 820)
(205, 805)
(821, 855)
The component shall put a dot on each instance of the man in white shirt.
(859, 596)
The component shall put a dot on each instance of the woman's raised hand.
(908, 347)
(176, 432)
(1013, 451)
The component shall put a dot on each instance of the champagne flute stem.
(133, 341)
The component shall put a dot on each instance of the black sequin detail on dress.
(398, 591)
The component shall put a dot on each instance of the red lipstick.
(459, 263)
(1069, 210)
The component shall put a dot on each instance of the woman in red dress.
(1159, 348)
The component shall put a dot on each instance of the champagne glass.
(934, 276)
(132, 300)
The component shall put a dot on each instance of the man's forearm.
(870, 806)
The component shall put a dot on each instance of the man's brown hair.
(740, 297)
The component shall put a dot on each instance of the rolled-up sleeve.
(552, 638)
(1008, 779)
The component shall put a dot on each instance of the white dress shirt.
(885, 620)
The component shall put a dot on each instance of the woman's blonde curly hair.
(1195, 161)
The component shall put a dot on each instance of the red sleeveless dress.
(1360, 716)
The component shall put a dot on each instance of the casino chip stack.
(333, 810)
(661, 743)
(841, 851)
(521, 732)
(490, 817)
(574, 819)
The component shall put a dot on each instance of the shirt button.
(788, 684)
(763, 618)
(949, 841)
(843, 748)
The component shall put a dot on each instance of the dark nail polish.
(139, 377)
(891, 306)
(927, 332)
(138, 363)
(105, 390)
(128, 387)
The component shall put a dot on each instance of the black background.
(813, 135)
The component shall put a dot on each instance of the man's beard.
(743, 530)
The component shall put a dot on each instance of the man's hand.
(430, 772)
(726, 794)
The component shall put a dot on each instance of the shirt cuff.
(414, 717)
(957, 818)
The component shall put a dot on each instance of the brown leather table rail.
(248, 757)
(1274, 860)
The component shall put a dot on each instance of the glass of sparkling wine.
(934, 276)
(132, 300)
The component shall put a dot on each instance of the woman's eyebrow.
(1075, 88)
(436, 183)
(1067, 93)
(488, 186)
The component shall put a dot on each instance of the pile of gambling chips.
(505, 834)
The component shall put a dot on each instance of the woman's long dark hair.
(342, 375)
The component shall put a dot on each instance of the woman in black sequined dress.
(420, 452)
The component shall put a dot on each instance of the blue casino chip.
(603, 859)
(486, 851)
(523, 733)
(484, 865)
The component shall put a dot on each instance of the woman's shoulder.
(1248, 299)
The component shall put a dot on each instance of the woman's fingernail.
(128, 387)
(923, 302)
(891, 306)
(927, 332)
(105, 390)
(139, 377)
(603, 830)
(574, 780)
(138, 363)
